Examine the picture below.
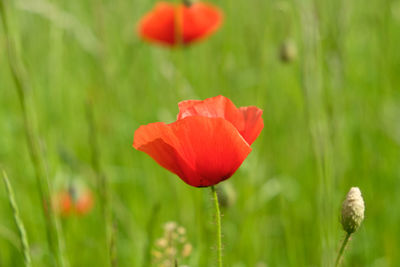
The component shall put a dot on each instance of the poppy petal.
(247, 120)
(199, 21)
(184, 105)
(201, 151)
(253, 123)
(214, 107)
(171, 24)
(159, 24)
(84, 203)
(159, 142)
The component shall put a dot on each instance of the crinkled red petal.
(201, 151)
(247, 120)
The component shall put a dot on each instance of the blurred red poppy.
(84, 203)
(73, 200)
(170, 24)
(207, 143)
(63, 203)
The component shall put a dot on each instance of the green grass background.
(332, 121)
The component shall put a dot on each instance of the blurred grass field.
(332, 121)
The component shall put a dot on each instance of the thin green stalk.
(319, 126)
(18, 221)
(102, 187)
(344, 244)
(150, 234)
(218, 223)
(22, 87)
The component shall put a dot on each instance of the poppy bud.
(288, 51)
(187, 3)
(226, 195)
(352, 210)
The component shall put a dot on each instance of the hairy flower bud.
(288, 51)
(352, 210)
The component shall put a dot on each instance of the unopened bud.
(226, 195)
(288, 51)
(188, 3)
(353, 210)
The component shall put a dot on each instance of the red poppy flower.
(63, 203)
(171, 24)
(207, 143)
(73, 200)
(84, 203)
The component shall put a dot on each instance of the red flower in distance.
(84, 203)
(208, 142)
(170, 24)
(74, 200)
(63, 203)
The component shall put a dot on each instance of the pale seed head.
(162, 242)
(288, 51)
(170, 226)
(352, 210)
(181, 230)
(187, 250)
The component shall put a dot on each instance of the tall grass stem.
(18, 221)
(100, 12)
(319, 125)
(22, 88)
(150, 234)
(102, 186)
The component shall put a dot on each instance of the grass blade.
(18, 221)
(22, 87)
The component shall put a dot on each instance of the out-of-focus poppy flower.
(63, 203)
(84, 203)
(74, 200)
(207, 143)
(173, 24)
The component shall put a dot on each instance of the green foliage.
(332, 121)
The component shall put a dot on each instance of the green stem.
(319, 125)
(344, 244)
(22, 87)
(102, 187)
(218, 222)
(150, 234)
(18, 221)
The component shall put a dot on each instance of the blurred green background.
(331, 113)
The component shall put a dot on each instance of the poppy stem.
(218, 222)
(344, 244)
